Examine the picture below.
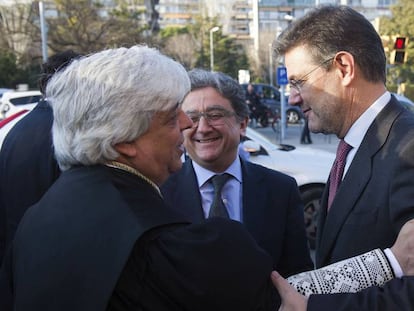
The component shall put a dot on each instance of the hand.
(291, 299)
(403, 248)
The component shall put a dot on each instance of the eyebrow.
(214, 107)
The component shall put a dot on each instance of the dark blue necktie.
(218, 209)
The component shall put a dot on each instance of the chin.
(176, 167)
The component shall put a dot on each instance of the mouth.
(306, 110)
(206, 140)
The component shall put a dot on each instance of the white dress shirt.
(360, 127)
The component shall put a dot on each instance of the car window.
(25, 100)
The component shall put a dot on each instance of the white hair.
(110, 97)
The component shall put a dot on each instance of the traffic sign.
(282, 76)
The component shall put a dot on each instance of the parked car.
(310, 167)
(270, 96)
(14, 101)
(7, 123)
(4, 90)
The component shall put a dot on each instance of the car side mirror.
(251, 147)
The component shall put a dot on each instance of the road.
(292, 137)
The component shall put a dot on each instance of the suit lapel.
(354, 183)
(254, 202)
(187, 193)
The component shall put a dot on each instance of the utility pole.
(43, 30)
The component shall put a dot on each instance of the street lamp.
(43, 31)
(270, 64)
(214, 29)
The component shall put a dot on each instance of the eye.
(296, 83)
(193, 116)
(215, 115)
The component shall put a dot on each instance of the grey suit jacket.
(376, 196)
(272, 212)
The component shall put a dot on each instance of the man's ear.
(243, 125)
(126, 149)
(345, 64)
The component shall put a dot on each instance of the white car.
(15, 101)
(310, 168)
(7, 123)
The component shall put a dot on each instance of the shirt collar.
(358, 130)
(203, 175)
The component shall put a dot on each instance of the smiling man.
(267, 202)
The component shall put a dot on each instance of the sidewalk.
(292, 137)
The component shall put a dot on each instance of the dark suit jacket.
(71, 248)
(376, 197)
(374, 200)
(27, 168)
(397, 294)
(272, 212)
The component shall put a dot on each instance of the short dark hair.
(329, 29)
(55, 63)
(225, 85)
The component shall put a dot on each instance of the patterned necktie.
(217, 208)
(337, 170)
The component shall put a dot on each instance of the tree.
(190, 45)
(12, 74)
(86, 26)
(229, 56)
(180, 44)
(18, 31)
(20, 58)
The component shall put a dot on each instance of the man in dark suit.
(340, 87)
(267, 202)
(102, 237)
(27, 164)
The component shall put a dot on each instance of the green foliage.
(229, 57)
(81, 26)
(8, 70)
(11, 74)
(190, 45)
(169, 32)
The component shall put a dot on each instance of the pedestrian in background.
(305, 137)
(27, 162)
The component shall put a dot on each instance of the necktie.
(337, 170)
(217, 208)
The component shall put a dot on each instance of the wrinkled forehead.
(205, 98)
(298, 60)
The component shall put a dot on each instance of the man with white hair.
(102, 238)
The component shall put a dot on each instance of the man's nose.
(203, 123)
(294, 97)
(185, 121)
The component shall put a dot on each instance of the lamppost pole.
(43, 30)
(214, 29)
(270, 64)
